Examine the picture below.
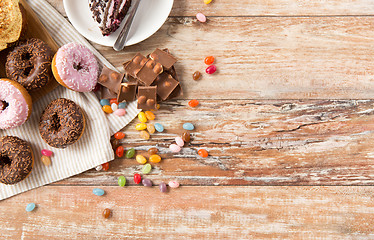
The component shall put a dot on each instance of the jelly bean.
(122, 105)
(207, 1)
(179, 141)
(201, 17)
(186, 136)
(151, 128)
(155, 158)
(98, 191)
(203, 153)
(104, 102)
(47, 152)
(152, 150)
(137, 178)
(141, 159)
(97, 88)
(119, 151)
(209, 60)
(142, 117)
(196, 75)
(130, 153)
(188, 126)
(140, 126)
(46, 160)
(193, 103)
(147, 182)
(105, 166)
(107, 109)
(144, 135)
(106, 213)
(158, 106)
(99, 168)
(159, 127)
(121, 181)
(147, 168)
(163, 187)
(211, 69)
(30, 207)
(115, 144)
(114, 106)
(120, 112)
(113, 100)
(119, 135)
(150, 115)
(173, 184)
(174, 148)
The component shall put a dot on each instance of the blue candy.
(104, 102)
(122, 105)
(188, 126)
(159, 127)
(98, 191)
(30, 207)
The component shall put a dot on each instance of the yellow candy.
(141, 159)
(207, 1)
(155, 158)
(142, 117)
(107, 109)
(141, 126)
(150, 115)
(151, 129)
(144, 135)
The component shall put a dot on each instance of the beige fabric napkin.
(94, 147)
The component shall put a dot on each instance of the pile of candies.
(46, 157)
(209, 70)
(112, 106)
(145, 128)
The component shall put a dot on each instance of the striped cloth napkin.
(94, 147)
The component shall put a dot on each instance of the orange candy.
(113, 100)
(150, 115)
(203, 153)
(105, 166)
(209, 60)
(193, 103)
(107, 109)
(119, 151)
(119, 135)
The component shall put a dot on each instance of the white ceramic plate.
(149, 17)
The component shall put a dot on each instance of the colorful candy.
(145, 135)
(147, 168)
(47, 152)
(119, 135)
(107, 109)
(106, 213)
(151, 128)
(46, 160)
(105, 166)
(140, 159)
(98, 191)
(188, 126)
(130, 153)
(30, 207)
(137, 178)
(114, 107)
(173, 184)
(211, 69)
(163, 187)
(99, 168)
(104, 102)
(196, 75)
(186, 136)
(203, 153)
(155, 158)
(179, 141)
(121, 181)
(147, 182)
(140, 126)
(119, 151)
(113, 100)
(120, 112)
(150, 115)
(152, 150)
(122, 105)
(142, 117)
(209, 60)
(159, 127)
(201, 17)
(193, 103)
(174, 148)
(207, 1)
(115, 144)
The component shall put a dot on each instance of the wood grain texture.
(192, 213)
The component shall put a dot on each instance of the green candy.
(146, 168)
(121, 181)
(130, 153)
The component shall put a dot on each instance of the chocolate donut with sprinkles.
(62, 123)
(16, 159)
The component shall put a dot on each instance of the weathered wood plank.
(256, 143)
(191, 213)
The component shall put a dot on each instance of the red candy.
(105, 166)
(211, 69)
(137, 178)
(203, 153)
(193, 103)
(209, 60)
(113, 100)
(119, 135)
(119, 151)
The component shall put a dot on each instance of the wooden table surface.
(288, 121)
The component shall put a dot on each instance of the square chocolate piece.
(127, 92)
(107, 94)
(163, 57)
(165, 85)
(110, 79)
(147, 97)
(148, 73)
(133, 67)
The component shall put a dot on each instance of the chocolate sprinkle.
(16, 159)
(62, 123)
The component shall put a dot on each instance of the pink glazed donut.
(15, 104)
(75, 67)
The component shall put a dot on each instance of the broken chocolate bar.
(148, 73)
(165, 85)
(133, 67)
(163, 57)
(147, 97)
(107, 94)
(127, 92)
(110, 79)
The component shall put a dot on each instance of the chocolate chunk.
(165, 85)
(163, 57)
(107, 94)
(176, 93)
(149, 72)
(127, 92)
(133, 67)
(147, 96)
(110, 79)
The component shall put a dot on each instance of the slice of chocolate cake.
(109, 13)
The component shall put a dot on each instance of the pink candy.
(201, 17)
(174, 148)
(173, 184)
(46, 152)
(179, 141)
(120, 112)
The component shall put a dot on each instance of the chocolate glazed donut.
(30, 64)
(16, 159)
(62, 123)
